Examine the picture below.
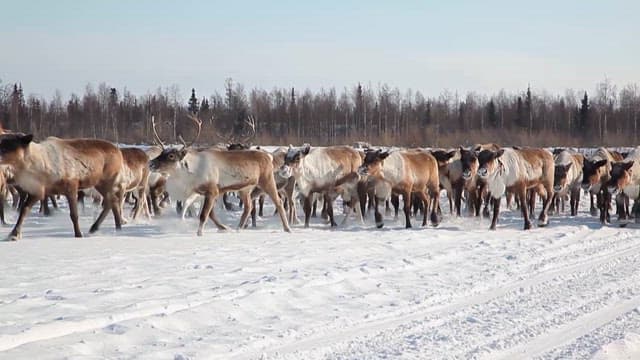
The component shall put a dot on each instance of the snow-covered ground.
(155, 290)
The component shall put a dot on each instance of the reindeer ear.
(452, 153)
(499, 153)
(567, 166)
(27, 139)
(383, 155)
(182, 153)
(600, 163)
(305, 149)
(627, 165)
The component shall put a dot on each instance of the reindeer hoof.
(199, 233)
(287, 229)
(527, 226)
(379, 225)
(13, 237)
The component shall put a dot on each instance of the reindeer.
(404, 172)
(450, 170)
(595, 174)
(156, 183)
(135, 177)
(567, 178)
(624, 182)
(317, 170)
(481, 184)
(517, 170)
(211, 172)
(59, 166)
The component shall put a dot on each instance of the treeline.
(379, 115)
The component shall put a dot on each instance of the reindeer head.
(240, 141)
(591, 172)
(13, 148)
(293, 159)
(373, 161)
(443, 157)
(469, 161)
(560, 176)
(488, 162)
(621, 175)
(171, 157)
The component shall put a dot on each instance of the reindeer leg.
(457, 196)
(207, 208)
(253, 213)
(44, 206)
(245, 197)
(594, 205)
(25, 207)
(362, 197)
(521, 195)
(328, 204)
(434, 204)
(117, 210)
(496, 211)
(106, 207)
(315, 207)
(378, 215)
(270, 188)
(217, 222)
(487, 200)
(546, 193)
(395, 201)
(54, 202)
(406, 197)
(424, 199)
(261, 204)
(72, 198)
(307, 209)
(2, 200)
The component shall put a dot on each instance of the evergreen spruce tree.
(204, 105)
(193, 102)
(583, 114)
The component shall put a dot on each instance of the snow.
(626, 348)
(156, 291)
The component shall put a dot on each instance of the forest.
(607, 115)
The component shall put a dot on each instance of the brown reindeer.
(624, 182)
(156, 183)
(211, 172)
(316, 170)
(595, 174)
(135, 178)
(404, 172)
(567, 178)
(481, 184)
(59, 166)
(450, 169)
(517, 170)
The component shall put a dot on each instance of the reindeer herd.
(292, 177)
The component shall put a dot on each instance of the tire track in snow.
(568, 332)
(63, 328)
(466, 300)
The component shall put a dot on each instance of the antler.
(155, 133)
(198, 123)
(251, 122)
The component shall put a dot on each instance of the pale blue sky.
(481, 46)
